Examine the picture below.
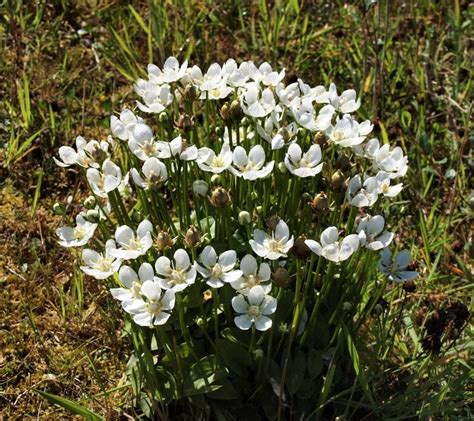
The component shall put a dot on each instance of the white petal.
(163, 266)
(329, 236)
(239, 304)
(256, 295)
(263, 323)
(243, 322)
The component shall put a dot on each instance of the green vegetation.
(410, 61)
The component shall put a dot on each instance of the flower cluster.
(192, 198)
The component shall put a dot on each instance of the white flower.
(362, 195)
(77, 236)
(253, 275)
(154, 171)
(371, 233)
(156, 98)
(392, 162)
(232, 74)
(272, 246)
(333, 249)
(84, 155)
(383, 185)
(304, 114)
(123, 126)
(394, 267)
(176, 276)
(256, 103)
(213, 84)
(101, 266)
(132, 282)
(182, 150)
(275, 134)
(252, 166)
(348, 132)
(156, 310)
(172, 71)
(218, 271)
(303, 164)
(208, 160)
(133, 245)
(254, 309)
(105, 181)
(143, 146)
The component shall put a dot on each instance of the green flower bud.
(163, 117)
(244, 218)
(59, 209)
(90, 202)
(216, 179)
(282, 167)
(200, 188)
(92, 215)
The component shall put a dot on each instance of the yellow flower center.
(254, 311)
(154, 307)
(217, 271)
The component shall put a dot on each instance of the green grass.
(412, 64)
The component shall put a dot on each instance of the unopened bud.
(272, 222)
(245, 122)
(192, 237)
(338, 181)
(218, 131)
(300, 249)
(190, 93)
(320, 203)
(235, 110)
(184, 123)
(281, 277)
(92, 215)
(200, 188)
(320, 139)
(98, 154)
(259, 209)
(283, 328)
(347, 306)
(301, 133)
(59, 209)
(244, 218)
(284, 133)
(282, 167)
(225, 112)
(163, 241)
(220, 197)
(90, 202)
(137, 217)
(343, 163)
(216, 179)
(258, 354)
(163, 117)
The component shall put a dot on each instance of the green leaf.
(71, 406)
(234, 356)
(296, 372)
(315, 363)
(204, 376)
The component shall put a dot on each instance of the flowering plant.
(240, 229)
